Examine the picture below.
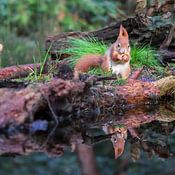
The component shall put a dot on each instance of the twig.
(106, 78)
(136, 74)
(55, 117)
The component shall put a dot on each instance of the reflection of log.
(21, 144)
(87, 160)
(14, 139)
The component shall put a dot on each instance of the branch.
(19, 71)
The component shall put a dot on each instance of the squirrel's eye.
(119, 45)
(128, 46)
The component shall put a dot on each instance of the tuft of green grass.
(84, 46)
(36, 75)
(143, 56)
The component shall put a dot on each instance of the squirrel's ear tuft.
(123, 32)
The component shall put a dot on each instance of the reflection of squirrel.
(116, 58)
(119, 134)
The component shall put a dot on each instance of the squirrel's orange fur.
(88, 61)
(116, 58)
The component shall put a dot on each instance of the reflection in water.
(149, 128)
(146, 128)
(147, 125)
(118, 137)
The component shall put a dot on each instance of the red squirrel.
(116, 59)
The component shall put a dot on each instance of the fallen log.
(60, 69)
(19, 141)
(18, 105)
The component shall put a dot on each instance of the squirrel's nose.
(123, 51)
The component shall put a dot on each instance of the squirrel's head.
(118, 145)
(122, 44)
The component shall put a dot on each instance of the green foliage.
(17, 50)
(117, 82)
(27, 16)
(143, 56)
(24, 22)
(36, 75)
(120, 82)
(33, 15)
(87, 15)
(81, 47)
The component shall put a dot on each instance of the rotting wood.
(18, 105)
